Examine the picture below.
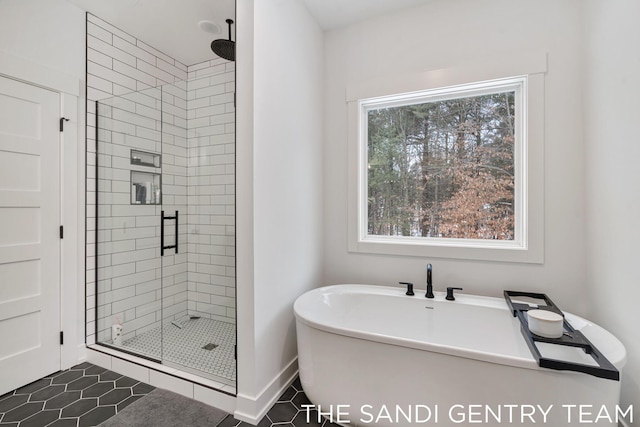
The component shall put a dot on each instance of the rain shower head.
(225, 48)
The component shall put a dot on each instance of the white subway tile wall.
(134, 282)
(186, 114)
(211, 189)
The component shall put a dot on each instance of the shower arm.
(229, 22)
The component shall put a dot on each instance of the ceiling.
(171, 26)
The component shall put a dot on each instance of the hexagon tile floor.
(87, 395)
(286, 412)
(84, 395)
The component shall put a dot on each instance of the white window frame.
(525, 75)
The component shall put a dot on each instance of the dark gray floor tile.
(264, 422)
(62, 400)
(287, 395)
(55, 374)
(95, 370)
(12, 402)
(297, 384)
(81, 366)
(142, 388)
(46, 393)
(282, 412)
(4, 396)
(41, 419)
(67, 377)
(82, 383)
(65, 422)
(300, 399)
(229, 421)
(79, 407)
(126, 382)
(310, 418)
(98, 415)
(109, 376)
(9, 425)
(98, 389)
(22, 412)
(34, 386)
(114, 397)
(127, 402)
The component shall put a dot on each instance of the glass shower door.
(165, 226)
(128, 198)
(174, 259)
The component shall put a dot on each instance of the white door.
(29, 233)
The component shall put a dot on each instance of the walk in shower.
(165, 223)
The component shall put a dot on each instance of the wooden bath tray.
(571, 338)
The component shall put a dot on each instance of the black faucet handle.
(450, 296)
(409, 288)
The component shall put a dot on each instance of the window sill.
(449, 248)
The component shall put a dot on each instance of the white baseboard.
(252, 409)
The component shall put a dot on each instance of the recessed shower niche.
(164, 226)
(146, 175)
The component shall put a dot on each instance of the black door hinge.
(61, 232)
(235, 352)
(61, 337)
(62, 120)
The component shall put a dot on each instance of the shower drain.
(209, 346)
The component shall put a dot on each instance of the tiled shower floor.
(184, 346)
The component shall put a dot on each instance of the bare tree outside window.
(443, 168)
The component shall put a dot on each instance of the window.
(452, 171)
(441, 163)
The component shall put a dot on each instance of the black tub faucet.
(429, 282)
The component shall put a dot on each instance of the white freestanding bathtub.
(370, 355)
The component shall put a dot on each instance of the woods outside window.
(441, 164)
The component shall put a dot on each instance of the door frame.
(72, 190)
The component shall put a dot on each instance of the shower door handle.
(162, 246)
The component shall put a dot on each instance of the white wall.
(612, 88)
(444, 34)
(47, 32)
(51, 34)
(279, 181)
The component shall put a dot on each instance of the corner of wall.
(252, 408)
(612, 71)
